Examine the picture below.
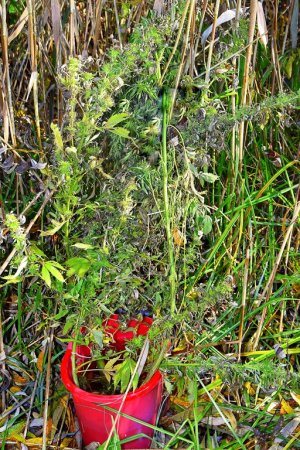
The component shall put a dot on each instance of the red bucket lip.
(101, 398)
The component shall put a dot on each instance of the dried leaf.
(223, 18)
(40, 360)
(143, 357)
(58, 412)
(180, 402)
(32, 81)
(35, 440)
(56, 22)
(37, 165)
(22, 167)
(296, 397)
(294, 24)
(19, 380)
(158, 6)
(249, 388)
(19, 26)
(178, 237)
(49, 426)
(39, 422)
(14, 389)
(285, 407)
(261, 24)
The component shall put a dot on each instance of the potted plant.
(126, 236)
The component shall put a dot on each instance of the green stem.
(164, 158)
(73, 360)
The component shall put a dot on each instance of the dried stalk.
(72, 27)
(118, 24)
(176, 42)
(183, 55)
(2, 359)
(203, 12)
(34, 73)
(47, 390)
(288, 24)
(253, 12)
(211, 45)
(144, 352)
(243, 303)
(268, 288)
(6, 75)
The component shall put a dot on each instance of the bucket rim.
(103, 398)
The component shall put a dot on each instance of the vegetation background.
(112, 199)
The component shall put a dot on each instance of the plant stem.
(164, 158)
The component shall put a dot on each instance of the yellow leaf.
(14, 389)
(285, 407)
(272, 407)
(20, 381)
(14, 431)
(249, 388)
(178, 237)
(2, 421)
(180, 402)
(17, 437)
(49, 426)
(66, 442)
(35, 440)
(230, 416)
(40, 360)
(296, 397)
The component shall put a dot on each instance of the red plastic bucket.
(96, 422)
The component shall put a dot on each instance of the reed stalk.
(34, 72)
(212, 41)
(8, 91)
(72, 27)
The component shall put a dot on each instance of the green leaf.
(54, 230)
(208, 177)
(45, 275)
(13, 431)
(78, 266)
(168, 385)
(83, 246)
(11, 279)
(105, 263)
(36, 250)
(60, 314)
(206, 224)
(69, 324)
(53, 270)
(115, 119)
(56, 264)
(119, 131)
(98, 336)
